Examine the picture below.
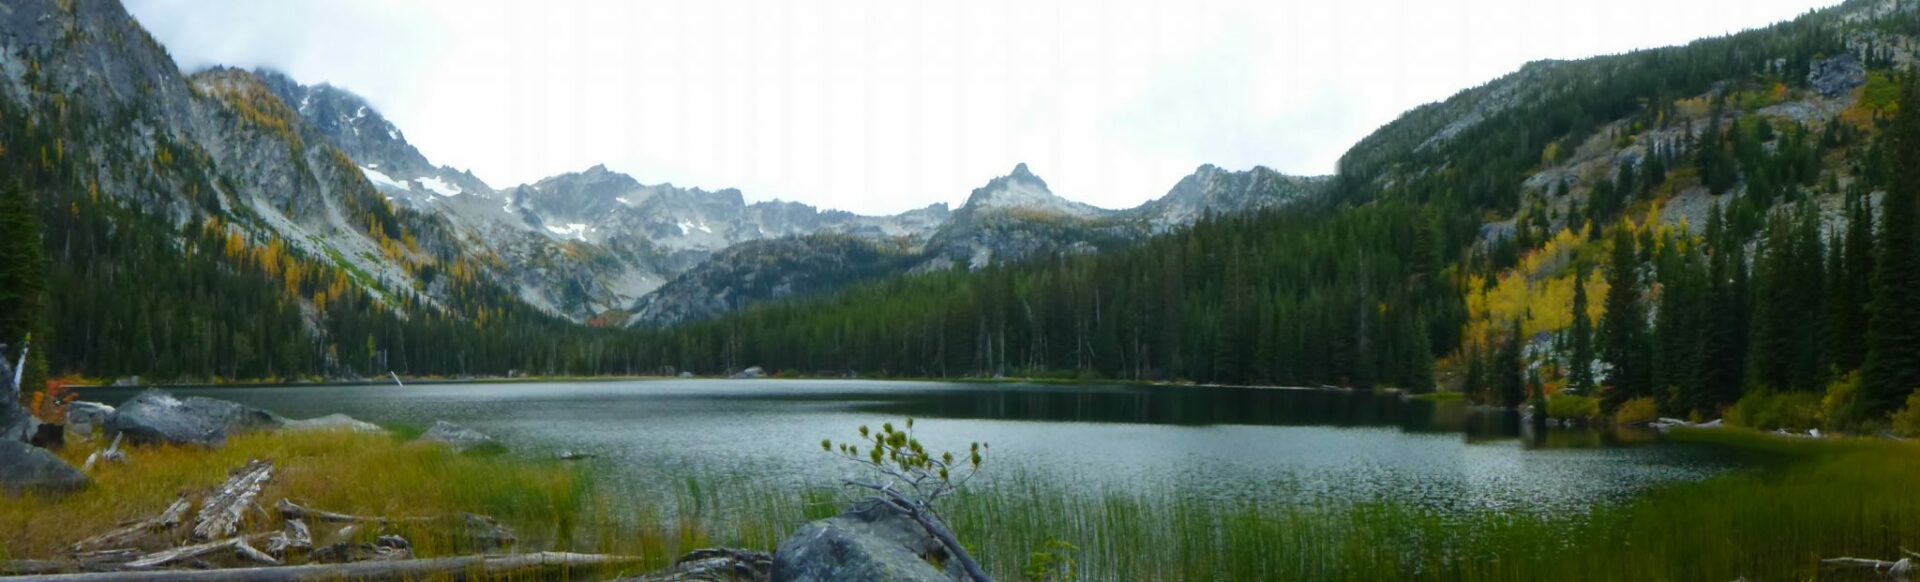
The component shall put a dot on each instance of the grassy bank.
(1802, 501)
(339, 471)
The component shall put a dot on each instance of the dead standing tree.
(913, 481)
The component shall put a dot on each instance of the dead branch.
(221, 513)
(168, 519)
(1900, 570)
(294, 537)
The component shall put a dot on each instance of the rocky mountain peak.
(1022, 190)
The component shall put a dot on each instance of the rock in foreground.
(26, 468)
(335, 421)
(871, 545)
(457, 437)
(156, 417)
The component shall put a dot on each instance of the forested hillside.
(1691, 226)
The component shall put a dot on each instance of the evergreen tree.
(23, 270)
(1623, 328)
(1892, 367)
(1580, 336)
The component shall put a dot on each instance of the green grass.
(1808, 500)
(1802, 500)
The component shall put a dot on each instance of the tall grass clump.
(364, 474)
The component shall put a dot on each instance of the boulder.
(686, 374)
(84, 417)
(16, 424)
(156, 417)
(750, 373)
(335, 421)
(25, 468)
(873, 544)
(457, 437)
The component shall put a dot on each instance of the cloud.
(882, 106)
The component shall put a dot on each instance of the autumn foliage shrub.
(1906, 423)
(1637, 411)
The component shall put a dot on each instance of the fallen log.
(457, 567)
(221, 513)
(1902, 569)
(168, 519)
(184, 553)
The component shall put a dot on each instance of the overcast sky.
(886, 105)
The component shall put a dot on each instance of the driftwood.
(1902, 569)
(294, 537)
(168, 519)
(236, 544)
(480, 529)
(464, 566)
(221, 513)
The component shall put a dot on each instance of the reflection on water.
(1290, 446)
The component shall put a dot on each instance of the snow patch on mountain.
(438, 186)
(381, 180)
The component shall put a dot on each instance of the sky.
(881, 106)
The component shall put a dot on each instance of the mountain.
(1212, 190)
(769, 270)
(1010, 219)
(339, 248)
(1724, 228)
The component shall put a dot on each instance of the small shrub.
(1769, 410)
(1839, 410)
(1906, 423)
(50, 405)
(1571, 407)
(1637, 411)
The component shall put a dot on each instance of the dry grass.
(339, 471)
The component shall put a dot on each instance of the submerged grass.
(1807, 500)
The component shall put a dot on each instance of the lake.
(1283, 445)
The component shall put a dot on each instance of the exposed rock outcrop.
(457, 437)
(872, 544)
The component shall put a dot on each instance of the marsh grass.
(338, 471)
(1802, 500)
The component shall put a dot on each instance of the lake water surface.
(1291, 446)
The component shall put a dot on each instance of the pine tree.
(23, 268)
(1623, 328)
(1580, 335)
(1892, 367)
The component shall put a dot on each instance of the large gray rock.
(457, 437)
(25, 468)
(84, 417)
(750, 373)
(16, 424)
(335, 421)
(156, 417)
(871, 545)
